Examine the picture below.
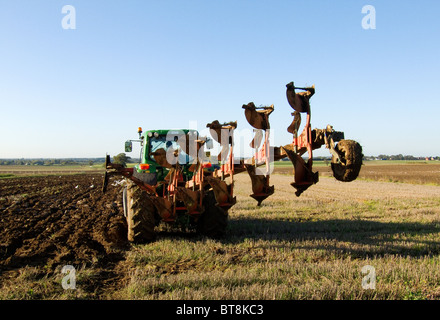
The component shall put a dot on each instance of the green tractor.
(178, 181)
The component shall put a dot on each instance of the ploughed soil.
(51, 221)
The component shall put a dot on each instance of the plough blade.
(296, 122)
(105, 183)
(220, 131)
(299, 101)
(258, 117)
(190, 198)
(222, 192)
(304, 176)
(164, 208)
(260, 185)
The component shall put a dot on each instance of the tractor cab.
(163, 150)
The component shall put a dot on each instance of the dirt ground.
(52, 221)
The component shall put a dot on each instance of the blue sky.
(166, 64)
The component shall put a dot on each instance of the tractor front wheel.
(140, 214)
(349, 164)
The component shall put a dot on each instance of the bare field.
(308, 247)
(389, 171)
(419, 173)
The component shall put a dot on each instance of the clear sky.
(169, 64)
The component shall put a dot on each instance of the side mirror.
(128, 146)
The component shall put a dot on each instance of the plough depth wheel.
(347, 167)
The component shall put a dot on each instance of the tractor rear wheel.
(140, 214)
(347, 167)
(214, 220)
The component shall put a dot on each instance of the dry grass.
(311, 247)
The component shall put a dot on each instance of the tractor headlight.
(150, 134)
(156, 134)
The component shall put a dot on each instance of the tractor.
(179, 183)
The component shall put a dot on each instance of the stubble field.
(311, 247)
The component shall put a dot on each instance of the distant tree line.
(123, 159)
(50, 162)
(381, 157)
(400, 157)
